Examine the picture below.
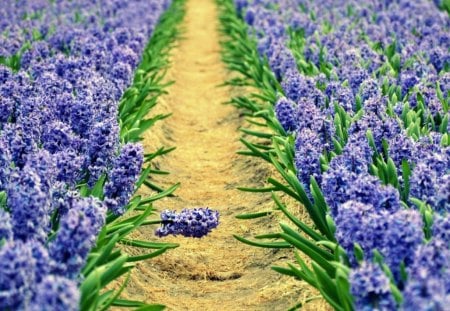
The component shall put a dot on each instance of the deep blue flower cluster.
(64, 66)
(382, 67)
(196, 223)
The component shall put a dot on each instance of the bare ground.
(216, 272)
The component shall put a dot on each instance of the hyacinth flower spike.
(195, 223)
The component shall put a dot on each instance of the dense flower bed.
(64, 65)
(366, 86)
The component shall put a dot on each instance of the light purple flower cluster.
(196, 223)
(372, 76)
(64, 66)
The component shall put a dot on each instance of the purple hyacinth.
(6, 232)
(69, 166)
(6, 109)
(285, 112)
(103, 144)
(370, 288)
(308, 149)
(423, 183)
(442, 197)
(58, 136)
(369, 89)
(76, 236)
(56, 293)
(428, 285)
(441, 228)
(195, 223)
(360, 223)
(294, 86)
(29, 204)
(281, 61)
(5, 163)
(123, 176)
(16, 276)
(43, 263)
(401, 147)
(402, 237)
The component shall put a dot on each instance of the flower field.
(342, 184)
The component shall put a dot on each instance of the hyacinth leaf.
(254, 151)
(343, 290)
(441, 98)
(160, 195)
(246, 189)
(287, 153)
(147, 244)
(98, 278)
(286, 271)
(2, 200)
(101, 257)
(108, 297)
(251, 121)
(392, 173)
(320, 203)
(144, 175)
(155, 187)
(300, 242)
(359, 252)
(97, 190)
(160, 152)
(303, 274)
(245, 103)
(300, 195)
(445, 140)
(327, 287)
(280, 187)
(302, 226)
(124, 303)
(124, 228)
(268, 236)
(256, 134)
(149, 255)
(265, 244)
(254, 215)
(406, 174)
(275, 125)
(153, 307)
(444, 125)
(331, 226)
(134, 132)
(427, 216)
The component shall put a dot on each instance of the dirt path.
(216, 272)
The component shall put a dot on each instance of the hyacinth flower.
(371, 289)
(56, 293)
(123, 176)
(196, 223)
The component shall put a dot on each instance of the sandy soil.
(216, 272)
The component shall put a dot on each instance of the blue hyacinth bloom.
(194, 223)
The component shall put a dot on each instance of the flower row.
(64, 66)
(365, 95)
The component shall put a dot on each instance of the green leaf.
(253, 215)
(301, 225)
(265, 244)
